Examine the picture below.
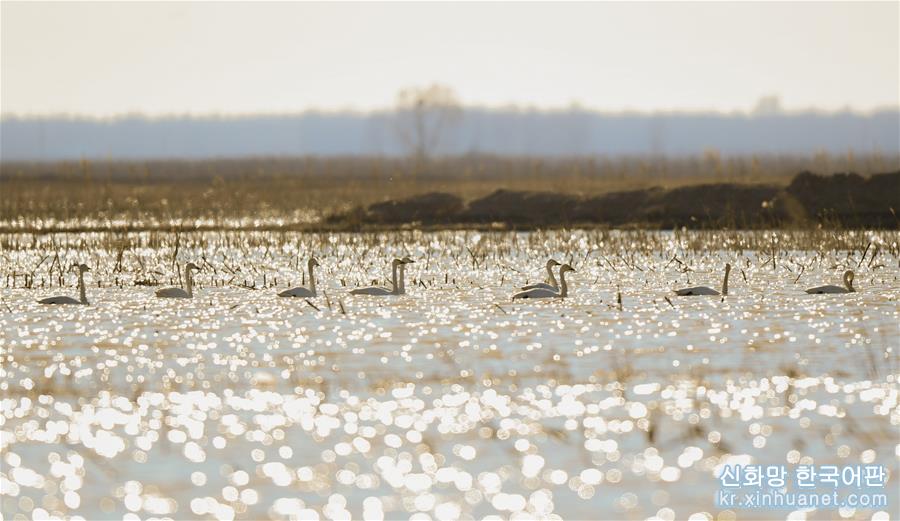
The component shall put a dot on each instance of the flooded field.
(622, 401)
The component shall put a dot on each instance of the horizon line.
(512, 108)
(861, 154)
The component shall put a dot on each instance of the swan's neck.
(563, 287)
(849, 283)
(725, 283)
(82, 291)
(189, 282)
(312, 281)
(403, 279)
(396, 288)
(551, 277)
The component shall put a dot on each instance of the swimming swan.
(300, 291)
(543, 285)
(382, 291)
(848, 283)
(188, 292)
(704, 290)
(62, 299)
(549, 293)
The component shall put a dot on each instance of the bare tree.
(423, 116)
(768, 106)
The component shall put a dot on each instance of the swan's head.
(396, 262)
(407, 260)
(565, 268)
(191, 266)
(551, 263)
(848, 278)
(81, 268)
(313, 263)
(727, 267)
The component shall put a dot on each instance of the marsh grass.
(303, 190)
(254, 260)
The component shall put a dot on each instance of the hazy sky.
(241, 57)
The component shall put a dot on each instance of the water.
(451, 401)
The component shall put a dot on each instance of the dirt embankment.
(848, 200)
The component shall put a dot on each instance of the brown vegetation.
(303, 192)
(847, 200)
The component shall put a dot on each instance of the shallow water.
(451, 401)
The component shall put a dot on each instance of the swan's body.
(549, 293)
(553, 285)
(301, 291)
(61, 299)
(82, 292)
(374, 291)
(537, 293)
(848, 286)
(396, 289)
(188, 292)
(173, 293)
(705, 290)
(696, 290)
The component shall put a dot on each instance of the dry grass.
(303, 189)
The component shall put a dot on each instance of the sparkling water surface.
(452, 401)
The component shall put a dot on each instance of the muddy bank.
(848, 200)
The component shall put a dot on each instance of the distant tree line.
(429, 122)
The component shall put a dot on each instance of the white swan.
(704, 290)
(300, 291)
(82, 293)
(188, 292)
(549, 293)
(848, 286)
(553, 285)
(382, 291)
